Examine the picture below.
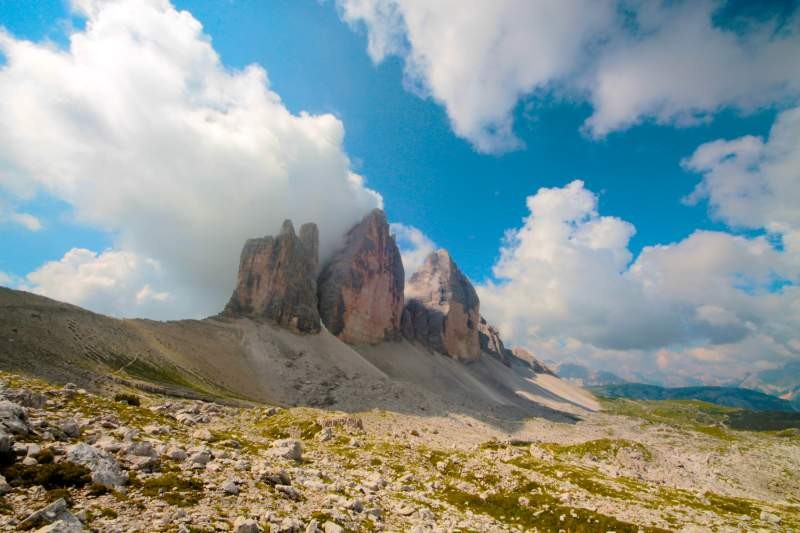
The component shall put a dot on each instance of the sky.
(619, 179)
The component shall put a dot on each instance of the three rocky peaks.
(360, 294)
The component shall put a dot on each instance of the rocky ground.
(74, 461)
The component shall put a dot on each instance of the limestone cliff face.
(278, 279)
(524, 355)
(491, 343)
(361, 288)
(442, 309)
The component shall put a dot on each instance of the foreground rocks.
(442, 309)
(361, 287)
(278, 279)
(211, 467)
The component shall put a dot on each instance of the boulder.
(278, 279)
(361, 288)
(14, 418)
(442, 309)
(492, 344)
(56, 515)
(105, 469)
(286, 448)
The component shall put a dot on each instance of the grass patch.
(130, 399)
(292, 423)
(599, 449)
(542, 512)
(173, 489)
(694, 415)
(50, 476)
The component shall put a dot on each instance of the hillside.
(244, 359)
(727, 396)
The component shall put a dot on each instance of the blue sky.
(404, 145)
(418, 151)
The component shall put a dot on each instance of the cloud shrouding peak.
(633, 61)
(707, 304)
(140, 128)
(414, 246)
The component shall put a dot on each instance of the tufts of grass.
(295, 423)
(600, 448)
(173, 489)
(543, 511)
(130, 399)
(50, 476)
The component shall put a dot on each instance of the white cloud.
(752, 183)
(633, 61)
(479, 61)
(111, 282)
(140, 128)
(5, 279)
(680, 67)
(709, 303)
(414, 246)
(26, 220)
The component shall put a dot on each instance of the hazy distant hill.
(783, 382)
(727, 396)
(584, 376)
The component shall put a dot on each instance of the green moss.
(600, 448)
(55, 494)
(543, 511)
(296, 422)
(173, 489)
(130, 399)
(107, 512)
(50, 476)
(693, 415)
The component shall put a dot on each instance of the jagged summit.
(278, 279)
(442, 309)
(361, 287)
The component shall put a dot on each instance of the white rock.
(202, 434)
(766, 516)
(70, 427)
(200, 458)
(287, 448)
(245, 525)
(229, 486)
(176, 453)
(105, 469)
(330, 527)
(13, 418)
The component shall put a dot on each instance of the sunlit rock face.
(361, 287)
(278, 279)
(442, 309)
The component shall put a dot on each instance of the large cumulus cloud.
(711, 304)
(670, 62)
(139, 127)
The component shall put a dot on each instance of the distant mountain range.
(727, 396)
(783, 382)
(585, 376)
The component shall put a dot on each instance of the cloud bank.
(669, 62)
(713, 304)
(145, 134)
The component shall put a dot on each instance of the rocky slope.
(361, 287)
(442, 309)
(278, 279)
(74, 461)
